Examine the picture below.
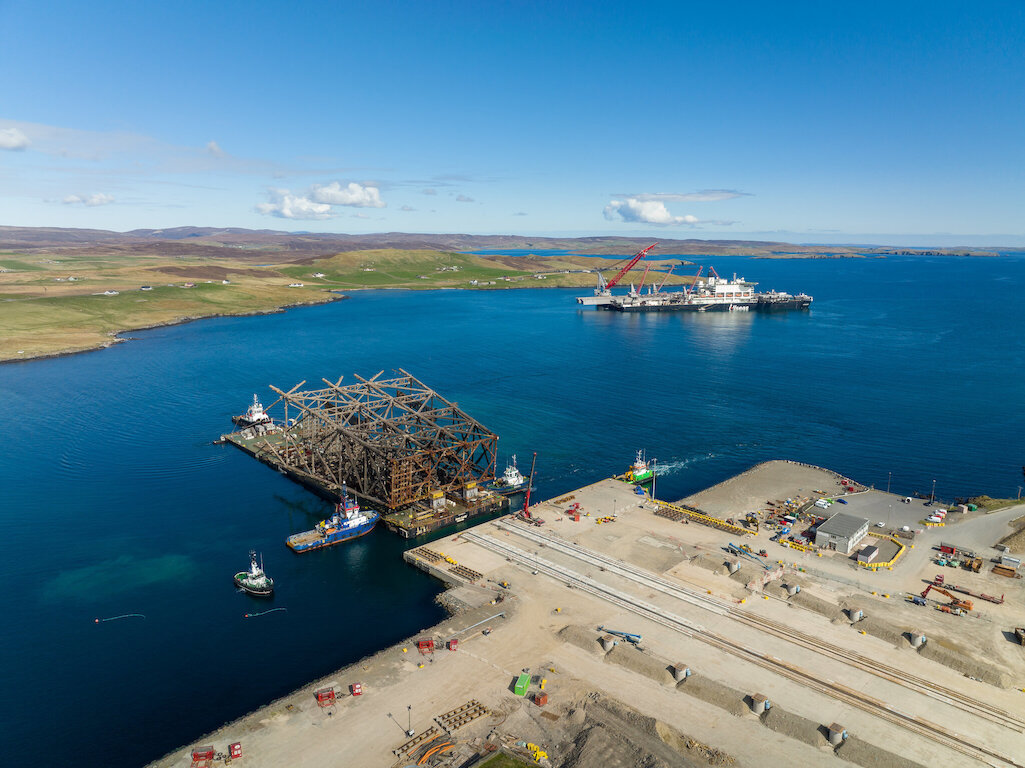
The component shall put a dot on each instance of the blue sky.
(816, 122)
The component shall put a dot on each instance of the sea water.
(115, 500)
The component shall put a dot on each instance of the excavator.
(955, 601)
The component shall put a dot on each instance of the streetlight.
(409, 725)
(889, 477)
(654, 474)
(932, 497)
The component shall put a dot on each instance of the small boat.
(512, 480)
(254, 415)
(640, 471)
(348, 522)
(254, 581)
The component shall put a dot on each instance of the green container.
(972, 507)
(522, 683)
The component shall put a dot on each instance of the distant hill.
(233, 242)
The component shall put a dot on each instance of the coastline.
(116, 337)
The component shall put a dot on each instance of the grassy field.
(54, 303)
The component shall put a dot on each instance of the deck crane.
(671, 268)
(689, 290)
(643, 278)
(604, 286)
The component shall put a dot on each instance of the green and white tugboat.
(641, 471)
(254, 581)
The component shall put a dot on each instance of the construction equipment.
(628, 636)
(955, 601)
(745, 551)
(974, 565)
(1019, 635)
(530, 485)
(604, 285)
(939, 582)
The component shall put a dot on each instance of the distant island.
(72, 290)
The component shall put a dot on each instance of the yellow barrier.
(795, 545)
(697, 517)
(889, 563)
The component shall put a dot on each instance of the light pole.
(889, 477)
(932, 496)
(654, 474)
(409, 726)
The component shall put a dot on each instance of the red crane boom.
(630, 265)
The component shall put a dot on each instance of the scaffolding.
(392, 441)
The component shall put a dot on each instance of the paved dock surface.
(668, 582)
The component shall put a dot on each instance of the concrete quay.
(772, 670)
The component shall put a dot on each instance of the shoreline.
(116, 337)
(544, 613)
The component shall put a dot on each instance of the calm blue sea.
(115, 501)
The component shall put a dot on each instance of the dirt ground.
(622, 706)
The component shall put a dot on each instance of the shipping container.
(522, 683)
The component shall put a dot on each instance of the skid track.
(689, 628)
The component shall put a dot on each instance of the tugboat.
(348, 522)
(512, 481)
(254, 415)
(254, 581)
(640, 472)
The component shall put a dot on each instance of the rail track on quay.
(727, 608)
(842, 693)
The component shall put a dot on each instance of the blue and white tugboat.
(512, 480)
(348, 522)
(254, 581)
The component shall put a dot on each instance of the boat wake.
(672, 467)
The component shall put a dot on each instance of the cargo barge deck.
(417, 519)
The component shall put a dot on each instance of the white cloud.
(646, 212)
(701, 196)
(407, 208)
(215, 149)
(353, 194)
(521, 213)
(97, 198)
(285, 205)
(464, 199)
(639, 211)
(430, 191)
(13, 139)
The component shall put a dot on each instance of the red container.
(540, 699)
(356, 689)
(235, 750)
(453, 645)
(203, 753)
(326, 697)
